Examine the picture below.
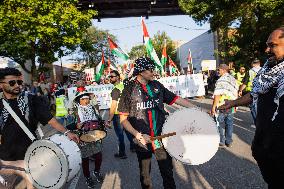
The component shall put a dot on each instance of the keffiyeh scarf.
(86, 113)
(268, 77)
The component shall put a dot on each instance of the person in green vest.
(226, 89)
(61, 103)
(246, 87)
(114, 116)
(240, 76)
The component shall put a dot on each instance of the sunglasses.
(12, 83)
(111, 76)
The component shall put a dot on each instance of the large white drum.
(52, 162)
(197, 138)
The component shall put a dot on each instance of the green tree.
(37, 30)
(137, 51)
(252, 20)
(94, 41)
(159, 39)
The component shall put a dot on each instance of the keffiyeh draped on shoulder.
(268, 77)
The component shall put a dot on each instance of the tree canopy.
(37, 30)
(243, 26)
(137, 51)
(95, 41)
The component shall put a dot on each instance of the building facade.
(201, 47)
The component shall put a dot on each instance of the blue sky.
(129, 33)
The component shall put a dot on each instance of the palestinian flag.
(130, 70)
(189, 58)
(149, 47)
(110, 66)
(100, 68)
(116, 50)
(164, 55)
(172, 66)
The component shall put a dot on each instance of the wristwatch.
(66, 132)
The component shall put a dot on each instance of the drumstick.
(11, 167)
(163, 136)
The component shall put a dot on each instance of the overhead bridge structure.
(131, 8)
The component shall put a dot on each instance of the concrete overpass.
(131, 8)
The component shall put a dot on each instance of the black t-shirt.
(143, 110)
(115, 94)
(14, 142)
(269, 135)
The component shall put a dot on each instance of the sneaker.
(221, 145)
(229, 145)
(98, 176)
(121, 156)
(90, 183)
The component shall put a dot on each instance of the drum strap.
(18, 120)
(97, 115)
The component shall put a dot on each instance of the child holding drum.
(87, 120)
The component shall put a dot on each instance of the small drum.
(91, 125)
(93, 131)
(52, 162)
(197, 138)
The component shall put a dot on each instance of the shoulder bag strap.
(18, 120)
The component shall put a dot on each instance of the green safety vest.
(61, 111)
(240, 78)
(120, 87)
(222, 101)
(233, 73)
(252, 75)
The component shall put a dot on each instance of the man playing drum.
(142, 114)
(31, 109)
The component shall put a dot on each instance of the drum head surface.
(46, 165)
(196, 140)
(93, 136)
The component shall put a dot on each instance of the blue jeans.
(225, 127)
(119, 133)
(61, 120)
(253, 113)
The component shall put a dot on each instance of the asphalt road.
(230, 168)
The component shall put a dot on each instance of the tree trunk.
(33, 67)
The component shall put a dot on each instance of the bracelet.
(66, 132)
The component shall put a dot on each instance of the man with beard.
(142, 113)
(31, 109)
(267, 96)
(114, 116)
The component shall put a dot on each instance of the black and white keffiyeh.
(267, 78)
(142, 64)
(22, 101)
(86, 113)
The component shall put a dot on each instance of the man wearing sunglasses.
(142, 113)
(114, 116)
(31, 109)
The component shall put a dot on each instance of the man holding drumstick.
(142, 114)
